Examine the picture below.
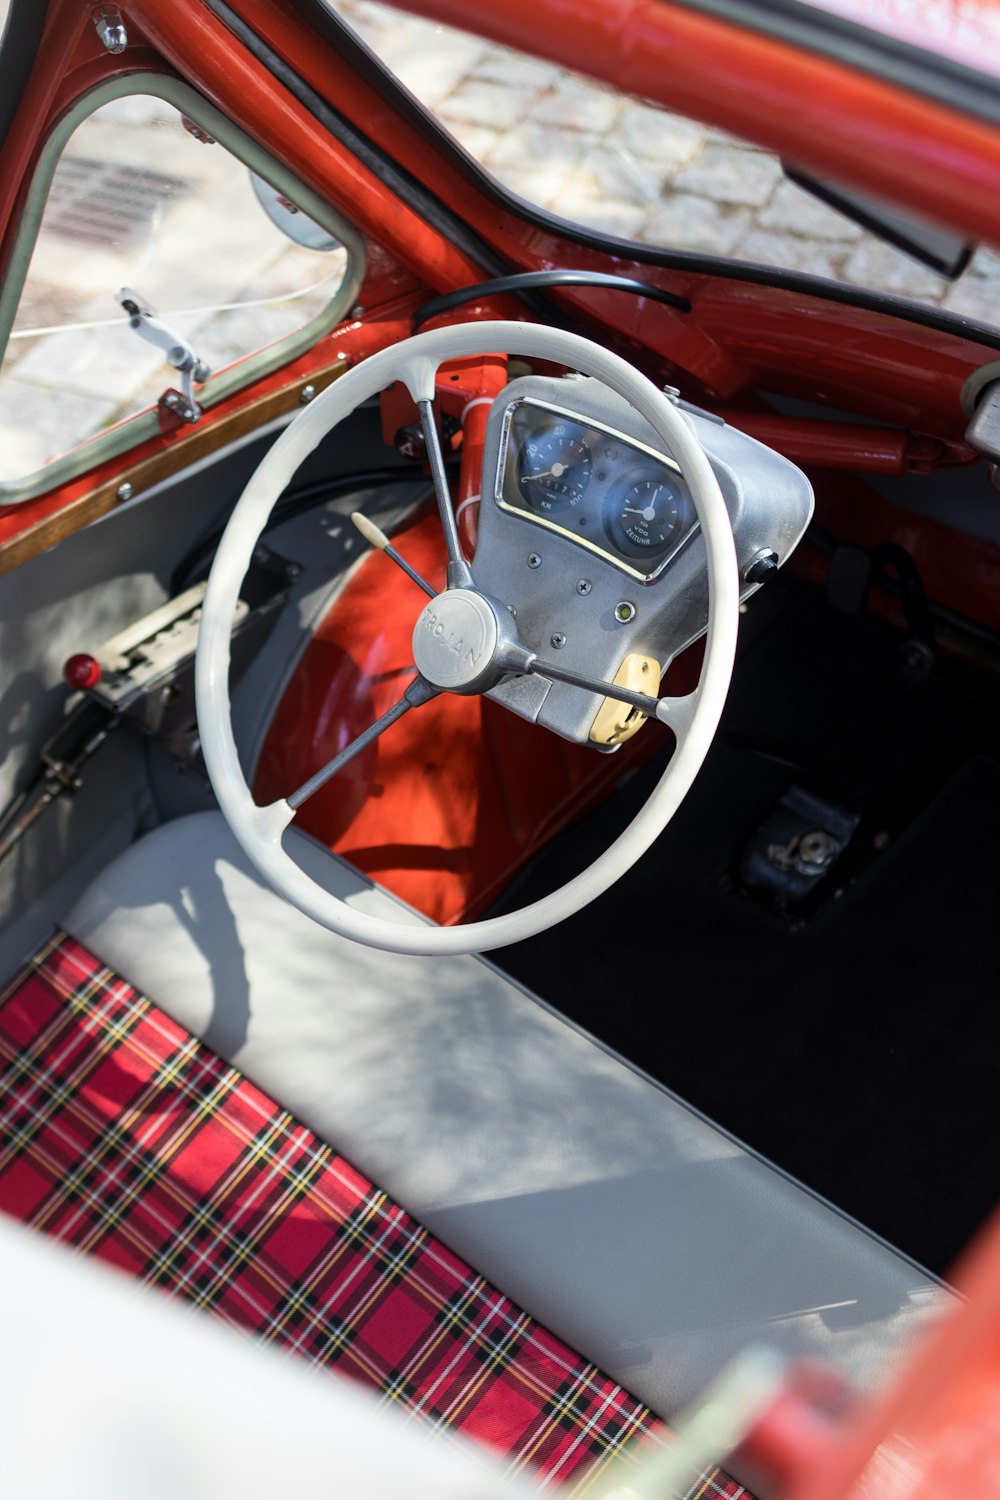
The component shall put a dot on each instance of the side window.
(149, 208)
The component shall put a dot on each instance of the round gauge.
(553, 467)
(646, 517)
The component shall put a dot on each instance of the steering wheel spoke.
(459, 572)
(644, 702)
(676, 713)
(417, 693)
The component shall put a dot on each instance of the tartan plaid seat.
(124, 1136)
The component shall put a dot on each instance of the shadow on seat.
(636, 1230)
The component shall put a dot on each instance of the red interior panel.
(450, 802)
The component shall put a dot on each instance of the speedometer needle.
(556, 472)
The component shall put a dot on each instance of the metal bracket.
(983, 431)
(182, 404)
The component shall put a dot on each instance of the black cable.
(292, 504)
(526, 280)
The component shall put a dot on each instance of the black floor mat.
(858, 1050)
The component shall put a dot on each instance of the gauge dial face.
(644, 518)
(616, 497)
(553, 468)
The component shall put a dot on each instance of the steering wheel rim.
(695, 719)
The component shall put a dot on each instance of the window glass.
(142, 199)
(621, 166)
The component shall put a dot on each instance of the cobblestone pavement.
(617, 164)
(553, 137)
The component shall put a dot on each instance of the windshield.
(617, 165)
(966, 31)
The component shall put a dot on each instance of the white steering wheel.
(694, 718)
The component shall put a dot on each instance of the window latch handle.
(179, 352)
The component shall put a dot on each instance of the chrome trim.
(595, 426)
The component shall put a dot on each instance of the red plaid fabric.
(124, 1136)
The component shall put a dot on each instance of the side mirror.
(290, 219)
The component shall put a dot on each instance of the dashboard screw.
(624, 611)
(558, 640)
(583, 585)
(306, 394)
(124, 491)
(534, 561)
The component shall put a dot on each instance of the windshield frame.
(362, 59)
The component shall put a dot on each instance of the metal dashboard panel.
(569, 596)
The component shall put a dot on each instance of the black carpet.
(859, 1047)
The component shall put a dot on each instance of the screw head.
(307, 394)
(534, 561)
(124, 491)
(624, 611)
(583, 585)
(558, 640)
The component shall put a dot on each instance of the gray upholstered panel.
(647, 1238)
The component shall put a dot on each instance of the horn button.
(457, 642)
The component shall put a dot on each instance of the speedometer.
(553, 467)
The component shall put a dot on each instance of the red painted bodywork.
(810, 109)
(452, 801)
(738, 335)
(935, 1435)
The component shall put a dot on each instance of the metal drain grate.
(107, 203)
